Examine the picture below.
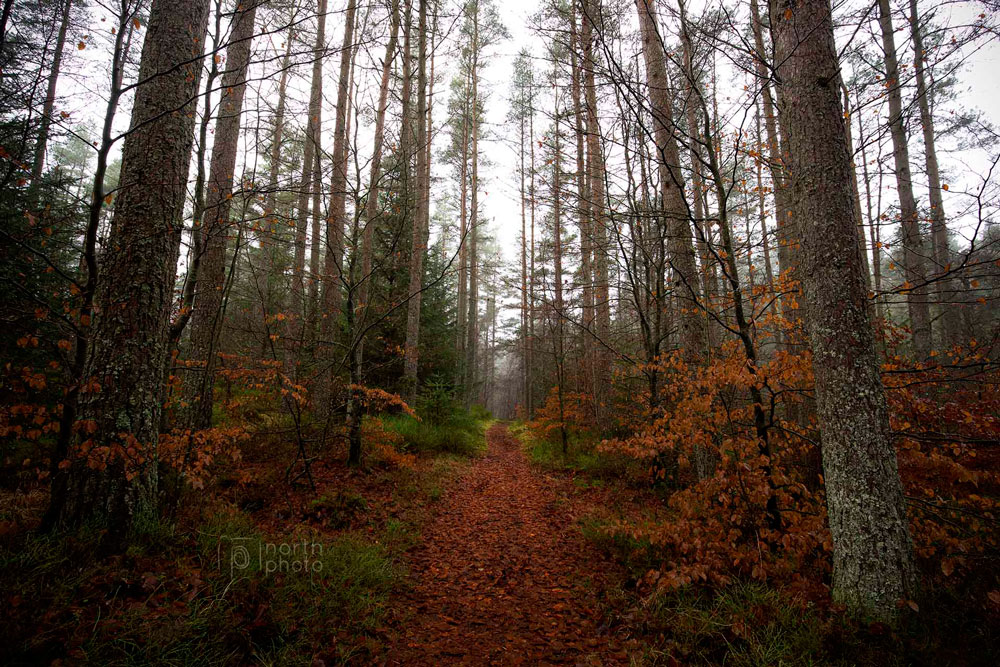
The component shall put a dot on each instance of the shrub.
(443, 427)
(457, 436)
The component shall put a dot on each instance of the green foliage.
(460, 434)
(444, 427)
(437, 403)
(582, 457)
(480, 413)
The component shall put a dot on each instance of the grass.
(217, 587)
(461, 433)
(228, 594)
(752, 623)
(747, 624)
(582, 456)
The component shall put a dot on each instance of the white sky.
(81, 88)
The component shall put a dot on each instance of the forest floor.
(457, 554)
(503, 575)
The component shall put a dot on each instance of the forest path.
(499, 575)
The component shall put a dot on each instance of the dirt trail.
(498, 577)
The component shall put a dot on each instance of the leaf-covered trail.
(498, 577)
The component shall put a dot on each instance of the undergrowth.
(226, 594)
(443, 427)
(581, 455)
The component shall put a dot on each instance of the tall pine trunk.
(372, 211)
(675, 208)
(598, 218)
(112, 475)
(420, 216)
(472, 322)
(206, 320)
(463, 251)
(48, 106)
(873, 566)
(914, 269)
(950, 319)
(525, 340)
(583, 209)
(270, 224)
(558, 341)
(784, 222)
(336, 219)
(299, 324)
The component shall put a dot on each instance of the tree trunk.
(913, 244)
(873, 566)
(532, 316)
(675, 208)
(113, 470)
(336, 219)
(420, 216)
(702, 225)
(952, 330)
(865, 269)
(270, 224)
(762, 207)
(472, 330)
(463, 251)
(596, 191)
(50, 95)
(206, 320)
(523, 93)
(300, 322)
(784, 222)
(876, 262)
(374, 182)
(557, 286)
(583, 209)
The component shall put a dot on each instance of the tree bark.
(300, 323)
(206, 319)
(595, 158)
(784, 222)
(472, 326)
(372, 213)
(914, 269)
(675, 208)
(557, 286)
(270, 224)
(873, 566)
(463, 251)
(583, 208)
(865, 270)
(522, 101)
(762, 207)
(50, 95)
(420, 217)
(336, 216)
(112, 474)
(952, 330)
(336, 219)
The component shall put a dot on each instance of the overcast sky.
(84, 85)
